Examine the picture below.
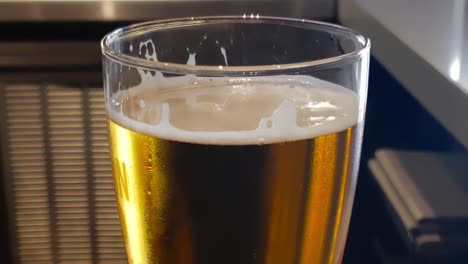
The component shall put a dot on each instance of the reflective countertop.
(424, 44)
(137, 10)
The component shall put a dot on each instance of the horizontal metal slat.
(103, 180)
(63, 99)
(106, 210)
(75, 245)
(100, 144)
(31, 252)
(71, 180)
(32, 219)
(67, 222)
(27, 157)
(66, 150)
(79, 136)
(73, 234)
(70, 201)
(35, 246)
(100, 131)
(27, 144)
(104, 233)
(25, 119)
(71, 210)
(111, 244)
(59, 90)
(75, 107)
(31, 207)
(70, 109)
(117, 260)
(62, 250)
(19, 88)
(70, 193)
(34, 234)
(66, 174)
(33, 229)
(101, 154)
(68, 187)
(33, 240)
(97, 111)
(75, 127)
(82, 239)
(102, 172)
(39, 255)
(73, 259)
(105, 187)
(57, 121)
(28, 215)
(98, 118)
(99, 138)
(105, 198)
(73, 228)
(114, 228)
(32, 193)
(19, 170)
(69, 159)
(111, 250)
(21, 130)
(110, 222)
(20, 151)
(23, 106)
(30, 181)
(38, 187)
(31, 201)
(23, 114)
(35, 259)
(20, 100)
(63, 114)
(96, 123)
(25, 136)
(106, 239)
(67, 144)
(96, 92)
(29, 222)
(73, 216)
(97, 103)
(102, 163)
(114, 216)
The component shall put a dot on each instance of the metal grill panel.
(60, 178)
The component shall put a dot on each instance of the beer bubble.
(260, 141)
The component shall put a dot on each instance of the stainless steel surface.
(49, 54)
(123, 10)
(424, 45)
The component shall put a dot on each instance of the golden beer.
(205, 174)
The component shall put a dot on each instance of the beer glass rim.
(267, 69)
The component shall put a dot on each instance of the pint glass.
(235, 140)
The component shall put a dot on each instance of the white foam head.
(235, 111)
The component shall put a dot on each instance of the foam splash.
(232, 111)
(191, 59)
(223, 51)
(150, 54)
